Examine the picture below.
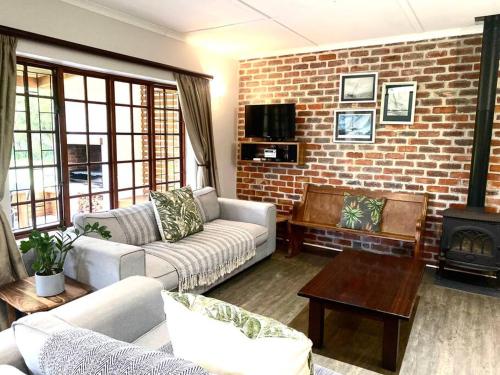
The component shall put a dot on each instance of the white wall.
(61, 20)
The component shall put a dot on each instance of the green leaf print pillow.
(362, 213)
(177, 214)
(226, 339)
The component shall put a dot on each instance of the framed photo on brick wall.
(358, 87)
(354, 126)
(398, 103)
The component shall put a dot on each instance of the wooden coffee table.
(21, 296)
(381, 287)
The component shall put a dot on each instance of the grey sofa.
(99, 263)
(130, 310)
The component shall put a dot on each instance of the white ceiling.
(252, 28)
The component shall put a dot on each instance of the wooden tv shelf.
(291, 153)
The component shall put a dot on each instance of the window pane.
(45, 181)
(21, 217)
(140, 120)
(173, 146)
(99, 177)
(122, 92)
(141, 195)
(122, 115)
(98, 148)
(98, 118)
(161, 171)
(74, 86)
(141, 174)
(124, 149)
(20, 121)
(172, 122)
(76, 117)
(158, 98)
(160, 147)
(124, 175)
(125, 198)
(96, 89)
(47, 213)
(171, 99)
(20, 80)
(139, 95)
(20, 148)
(77, 148)
(21, 180)
(174, 168)
(101, 203)
(39, 81)
(78, 180)
(159, 121)
(141, 147)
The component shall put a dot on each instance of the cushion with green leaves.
(362, 213)
(177, 214)
(226, 339)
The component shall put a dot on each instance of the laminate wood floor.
(453, 332)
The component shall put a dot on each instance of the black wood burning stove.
(471, 236)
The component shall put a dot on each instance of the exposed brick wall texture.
(432, 155)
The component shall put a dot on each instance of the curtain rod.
(23, 34)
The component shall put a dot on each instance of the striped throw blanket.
(82, 352)
(204, 257)
(138, 222)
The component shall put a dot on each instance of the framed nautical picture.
(354, 126)
(398, 103)
(358, 87)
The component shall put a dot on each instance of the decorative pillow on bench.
(176, 213)
(362, 213)
(225, 339)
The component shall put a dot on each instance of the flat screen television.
(273, 121)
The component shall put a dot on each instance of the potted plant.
(50, 254)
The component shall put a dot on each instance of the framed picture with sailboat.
(358, 87)
(398, 103)
(354, 126)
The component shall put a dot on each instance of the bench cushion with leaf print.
(400, 218)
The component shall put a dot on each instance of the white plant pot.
(47, 286)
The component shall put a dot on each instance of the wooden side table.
(21, 296)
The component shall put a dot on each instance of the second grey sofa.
(99, 263)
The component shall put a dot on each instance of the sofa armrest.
(99, 263)
(9, 353)
(250, 212)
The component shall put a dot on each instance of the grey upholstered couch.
(130, 310)
(100, 263)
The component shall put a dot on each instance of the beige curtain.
(11, 264)
(194, 93)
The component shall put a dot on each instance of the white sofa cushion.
(207, 200)
(225, 339)
(134, 225)
(155, 338)
(259, 232)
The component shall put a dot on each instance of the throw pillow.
(208, 202)
(177, 214)
(31, 332)
(81, 351)
(225, 339)
(362, 213)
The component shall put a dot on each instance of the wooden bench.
(403, 218)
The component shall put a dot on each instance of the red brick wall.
(432, 155)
